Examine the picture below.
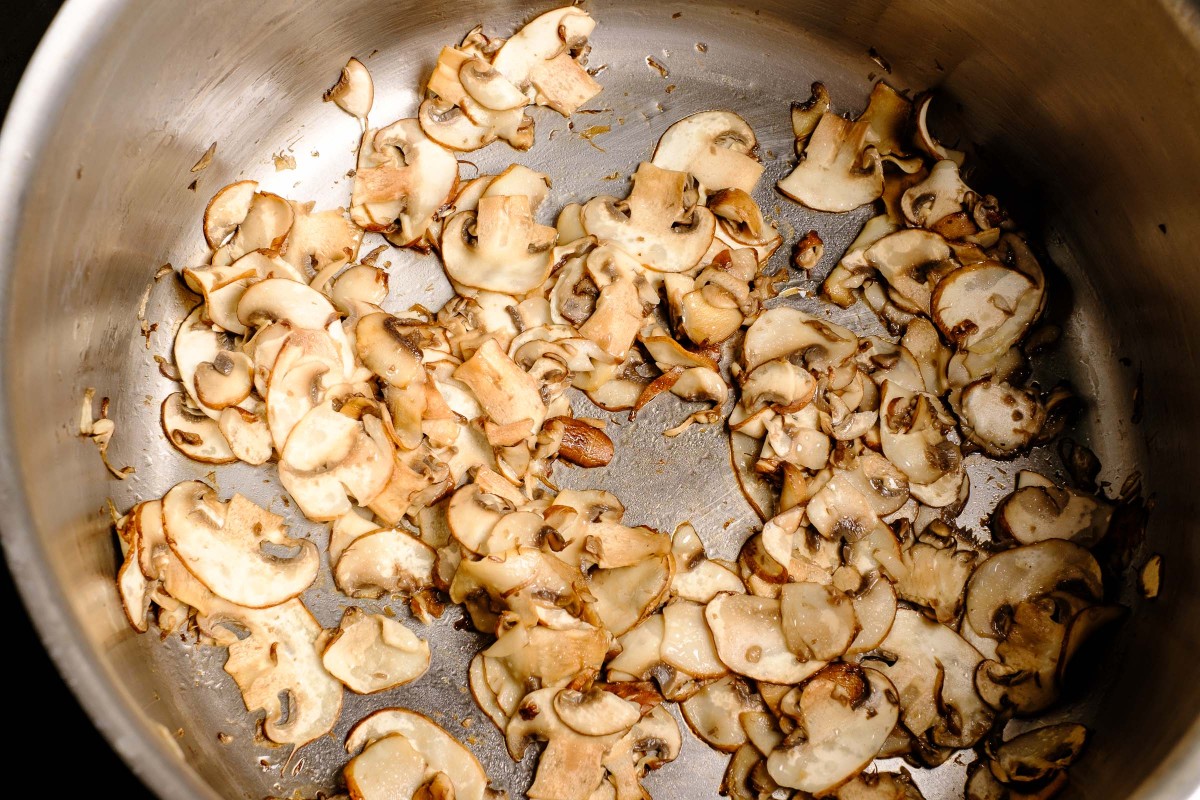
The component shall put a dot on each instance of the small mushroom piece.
(697, 578)
(1001, 418)
(284, 300)
(239, 551)
(912, 428)
(595, 712)
(507, 393)
(715, 147)
(748, 632)
(926, 141)
(403, 178)
(225, 381)
(192, 433)
(741, 222)
(935, 578)
(940, 195)
(489, 87)
(875, 610)
(819, 622)
(266, 226)
(390, 348)
(582, 444)
(887, 117)
(880, 786)
(627, 595)
(357, 285)
(652, 742)
(687, 641)
(982, 785)
(354, 91)
(806, 115)
(499, 247)
(839, 169)
(448, 125)
(196, 343)
(714, 712)
(1013, 576)
(387, 561)
(846, 713)
(440, 751)
(387, 768)
(1035, 755)
(371, 653)
(657, 223)
(1039, 509)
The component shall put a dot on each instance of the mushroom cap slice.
(839, 169)
(387, 768)
(911, 260)
(983, 785)
(196, 342)
(354, 91)
(448, 125)
(686, 641)
(781, 331)
(1034, 755)
(386, 561)
(715, 147)
(627, 595)
(507, 393)
(641, 650)
(441, 751)
(372, 653)
(595, 712)
(499, 247)
(818, 621)
(912, 428)
(225, 546)
(714, 712)
(1001, 418)
(986, 307)
(542, 39)
(1012, 576)
(846, 713)
(655, 224)
(875, 610)
(192, 433)
(226, 210)
(748, 632)
(489, 87)
(225, 381)
(390, 347)
(284, 300)
(571, 765)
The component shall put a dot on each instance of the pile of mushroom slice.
(860, 622)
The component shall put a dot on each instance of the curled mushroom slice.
(839, 170)
(741, 224)
(225, 381)
(627, 595)
(819, 622)
(403, 178)
(1007, 578)
(371, 653)
(440, 751)
(265, 226)
(196, 343)
(822, 346)
(595, 712)
(875, 609)
(506, 392)
(926, 141)
(748, 632)
(354, 91)
(192, 433)
(390, 348)
(714, 712)
(656, 224)
(499, 247)
(716, 147)
(1039, 509)
(283, 300)
(1001, 418)
(241, 552)
(388, 561)
(226, 210)
(489, 87)
(845, 714)
(1035, 755)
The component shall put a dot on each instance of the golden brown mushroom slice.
(715, 147)
(385, 561)
(238, 550)
(1040, 509)
(372, 653)
(1037, 754)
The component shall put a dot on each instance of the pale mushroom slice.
(913, 428)
(372, 653)
(875, 609)
(986, 307)
(716, 147)
(686, 641)
(1001, 418)
(933, 669)
(447, 124)
(330, 457)
(714, 712)
(265, 226)
(627, 595)
(595, 712)
(387, 768)
(391, 348)
(320, 242)
(1012, 576)
(845, 714)
(819, 622)
(825, 348)
(839, 169)
(354, 91)
(1037, 754)
(440, 751)
(939, 195)
(226, 210)
(698, 578)
(489, 87)
(1040, 509)
(192, 433)
(225, 381)
(926, 141)
(239, 551)
(657, 223)
(640, 650)
(741, 224)
(539, 56)
(506, 392)
(357, 285)
(911, 261)
(499, 247)
(284, 300)
(196, 342)
(403, 178)
(387, 561)
(748, 632)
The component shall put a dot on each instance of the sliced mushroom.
(595, 712)
(1001, 418)
(265, 226)
(489, 87)
(716, 147)
(839, 169)
(354, 91)
(875, 610)
(1040, 509)
(880, 786)
(687, 641)
(819, 622)
(192, 433)
(1035, 755)
(925, 140)
(225, 381)
(371, 653)
(986, 307)
(656, 223)
(982, 785)
(539, 55)
(652, 742)
(388, 767)
(641, 650)
(387, 561)
(506, 392)
(913, 430)
(748, 632)
(283, 300)
(498, 248)
(845, 713)
(196, 343)
(241, 552)
(627, 595)
(714, 712)
(911, 261)
(448, 125)
(697, 578)
(226, 210)
(390, 348)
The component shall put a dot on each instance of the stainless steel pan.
(1087, 114)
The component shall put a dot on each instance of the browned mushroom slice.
(372, 653)
(880, 786)
(714, 712)
(748, 632)
(1039, 509)
(806, 115)
(265, 226)
(1001, 418)
(759, 493)
(926, 141)
(779, 332)
(982, 785)
(498, 248)
(936, 578)
(390, 348)
(225, 381)
(354, 91)
(839, 169)
(819, 622)
(656, 224)
(845, 714)
(911, 261)
(986, 307)
(716, 147)
(506, 392)
(887, 117)
(1035, 755)
(595, 712)
(192, 433)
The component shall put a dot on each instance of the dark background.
(58, 722)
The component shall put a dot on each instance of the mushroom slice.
(912, 429)
(225, 381)
(1001, 418)
(563, 84)
(595, 712)
(781, 331)
(330, 457)
(759, 493)
(284, 300)
(476, 509)
(388, 561)
(192, 433)
(241, 552)
(641, 650)
(1012, 576)
(697, 578)
(196, 343)
(506, 392)
(226, 210)
(447, 124)
(319, 241)
(742, 224)
(354, 91)
(1035, 755)
(627, 595)
(875, 610)
(839, 169)
(656, 223)
(911, 261)
(926, 141)
(266, 226)
(390, 348)
(982, 785)
(440, 751)
(715, 147)
(846, 713)
(880, 786)
(941, 194)
(652, 742)
(935, 578)
(387, 768)
(403, 178)
(357, 285)
(986, 307)
(371, 653)
(489, 87)
(499, 247)
(933, 669)
(570, 767)
(1040, 509)
(687, 641)
(748, 632)
(819, 622)
(540, 55)
(714, 712)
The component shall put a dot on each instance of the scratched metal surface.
(716, 56)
